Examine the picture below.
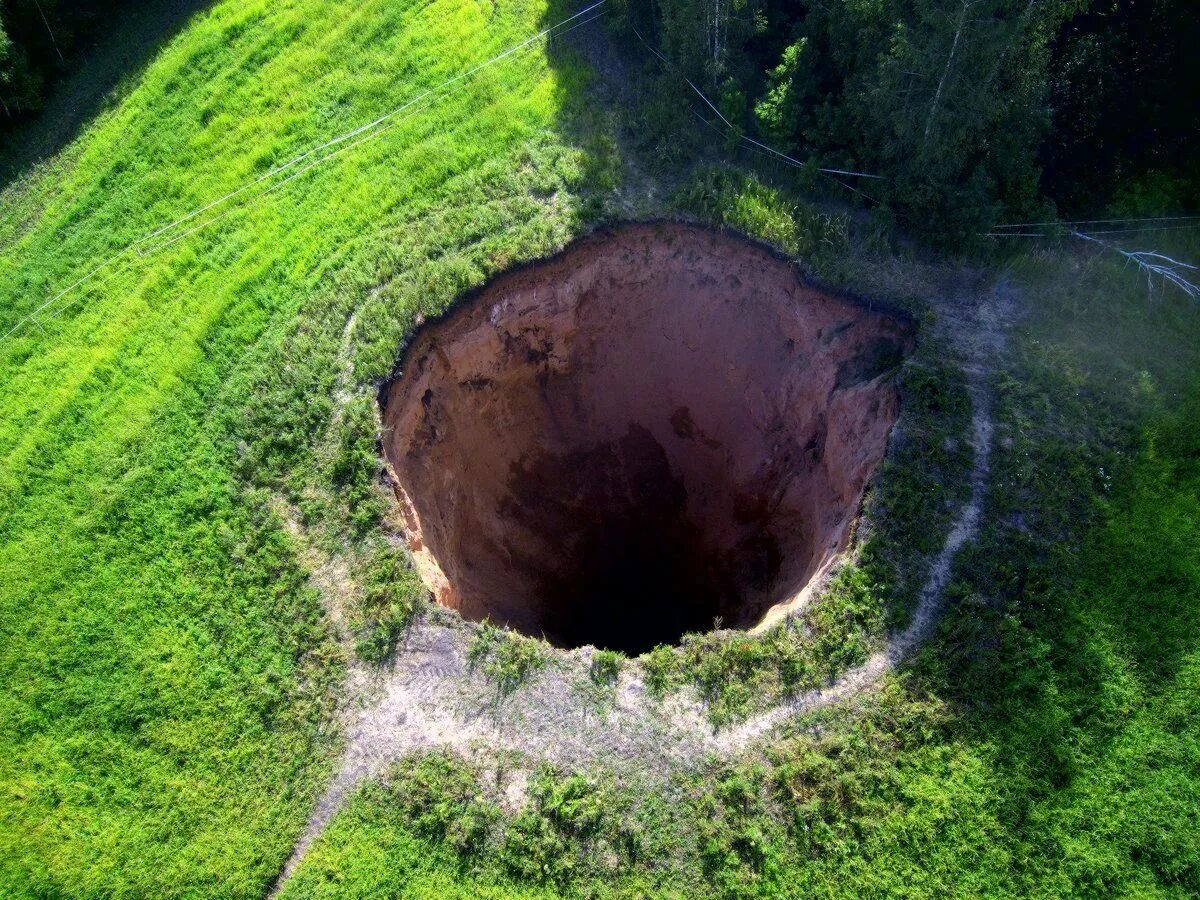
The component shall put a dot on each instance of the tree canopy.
(962, 105)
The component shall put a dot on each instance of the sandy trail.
(428, 697)
(980, 334)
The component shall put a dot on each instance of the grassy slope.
(164, 662)
(1045, 744)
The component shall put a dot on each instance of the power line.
(338, 139)
(354, 132)
(745, 137)
(1139, 230)
(1044, 235)
(363, 140)
(754, 149)
(301, 171)
(1152, 263)
(1097, 221)
(305, 169)
(796, 162)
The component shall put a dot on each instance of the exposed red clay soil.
(657, 428)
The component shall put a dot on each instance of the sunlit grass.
(167, 672)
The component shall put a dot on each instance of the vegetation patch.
(506, 658)
(179, 433)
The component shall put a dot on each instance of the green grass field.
(168, 673)
(1043, 745)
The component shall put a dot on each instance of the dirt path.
(978, 331)
(429, 698)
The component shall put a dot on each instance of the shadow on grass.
(98, 75)
(579, 53)
(1084, 630)
(641, 139)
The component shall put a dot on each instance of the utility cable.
(745, 137)
(338, 139)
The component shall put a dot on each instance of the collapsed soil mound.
(657, 429)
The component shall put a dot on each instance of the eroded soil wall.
(660, 427)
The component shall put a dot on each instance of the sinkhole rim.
(707, 252)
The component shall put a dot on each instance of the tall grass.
(167, 672)
(1045, 742)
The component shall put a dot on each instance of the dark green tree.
(18, 83)
(1125, 89)
(946, 98)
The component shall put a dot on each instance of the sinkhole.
(661, 428)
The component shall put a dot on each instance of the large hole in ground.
(661, 427)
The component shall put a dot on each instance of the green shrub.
(606, 667)
(504, 657)
(728, 671)
(735, 840)
(549, 840)
(393, 598)
(534, 851)
(441, 796)
(661, 668)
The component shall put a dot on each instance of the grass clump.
(605, 669)
(661, 671)
(736, 673)
(434, 830)
(442, 799)
(394, 596)
(551, 840)
(355, 466)
(921, 483)
(505, 658)
(742, 201)
(737, 845)
(428, 831)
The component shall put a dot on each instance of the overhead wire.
(378, 132)
(1044, 234)
(1097, 221)
(332, 142)
(241, 208)
(995, 233)
(354, 132)
(745, 137)
(1139, 230)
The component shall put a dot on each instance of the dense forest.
(970, 109)
(39, 41)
